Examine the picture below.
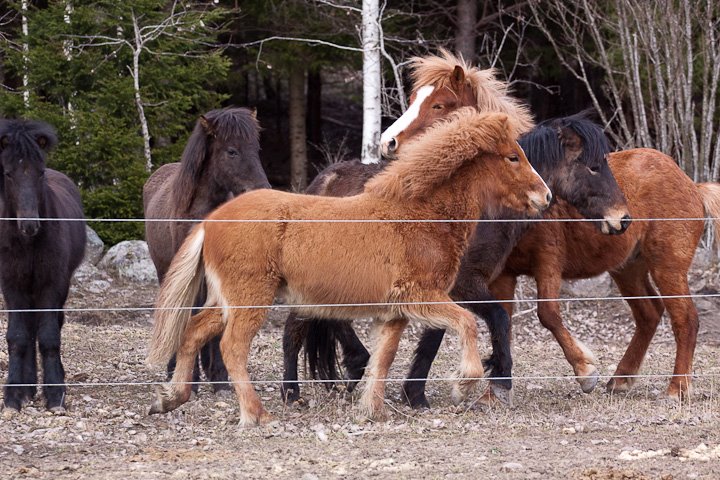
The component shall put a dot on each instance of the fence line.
(386, 380)
(357, 220)
(344, 305)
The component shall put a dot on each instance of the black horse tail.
(321, 354)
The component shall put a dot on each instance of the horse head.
(441, 85)
(225, 148)
(23, 147)
(571, 154)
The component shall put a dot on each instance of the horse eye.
(232, 152)
(593, 170)
(437, 106)
(513, 158)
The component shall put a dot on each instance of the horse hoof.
(501, 394)
(225, 393)
(589, 382)
(415, 397)
(9, 413)
(619, 385)
(461, 390)
(58, 410)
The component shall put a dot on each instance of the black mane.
(544, 149)
(23, 135)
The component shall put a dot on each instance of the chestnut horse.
(37, 259)
(393, 271)
(655, 187)
(221, 160)
(569, 153)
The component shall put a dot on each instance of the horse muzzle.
(29, 227)
(615, 223)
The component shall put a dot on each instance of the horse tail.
(177, 294)
(321, 349)
(710, 193)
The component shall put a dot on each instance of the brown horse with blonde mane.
(460, 169)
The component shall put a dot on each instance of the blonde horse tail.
(177, 294)
(710, 193)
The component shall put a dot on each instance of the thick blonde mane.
(437, 154)
(492, 94)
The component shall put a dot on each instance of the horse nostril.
(392, 145)
(548, 198)
(625, 222)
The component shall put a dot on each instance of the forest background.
(124, 82)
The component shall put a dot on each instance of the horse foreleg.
(425, 352)
(355, 355)
(201, 328)
(21, 344)
(577, 354)
(373, 397)
(499, 365)
(633, 281)
(293, 336)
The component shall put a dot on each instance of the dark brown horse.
(569, 153)
(655, 187)
(463, 168)
(37, 258)
(221, 160)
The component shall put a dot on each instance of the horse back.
(344, 179)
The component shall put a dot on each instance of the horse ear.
(457, 78)
(42, 141)
(207, 125)
(253, 112)
(571, 142)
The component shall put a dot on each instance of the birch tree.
(372, 85)
(662, 68)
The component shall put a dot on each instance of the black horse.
(570, 154)
(37, 258)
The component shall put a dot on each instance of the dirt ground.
(552, 431)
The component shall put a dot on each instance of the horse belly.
(590, 253)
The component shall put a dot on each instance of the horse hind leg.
(633, 281)
(214, 366)
(242, 326)
(685, 325)
(48, 337)
(373, 397)
(355, 356)
(201, 328)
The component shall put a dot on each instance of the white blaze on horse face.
(405, 119)
(537, 198)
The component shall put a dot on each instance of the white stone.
(130, 260)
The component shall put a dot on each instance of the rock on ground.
(94, 248)
(130, 260)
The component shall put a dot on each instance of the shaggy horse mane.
(492, 94)
(26, 134)
(438, 153)
(223, 124)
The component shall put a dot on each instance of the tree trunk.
(26, 54)
(298, 147)
(138, 97)
(314, 112)
(465, 33)
(371, 81)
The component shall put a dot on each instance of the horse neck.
(207, 194)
